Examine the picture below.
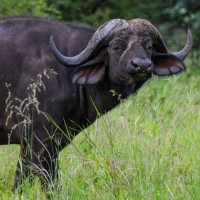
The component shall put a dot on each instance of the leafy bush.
(27, 7)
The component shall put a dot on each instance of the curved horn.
(161, 46)
(102, 36)
(185, 51)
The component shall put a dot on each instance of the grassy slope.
(147, 148)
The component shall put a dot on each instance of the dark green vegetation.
(149, 146)
(167, 15)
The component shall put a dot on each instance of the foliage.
(27, 7)
(167, 15)
(96, 12)
(186, 14)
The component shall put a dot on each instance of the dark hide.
(70, 95)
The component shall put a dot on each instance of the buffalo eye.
(116, 48)
(118, 45)
(148, 44)
(149, 47)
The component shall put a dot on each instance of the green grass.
(147, 148)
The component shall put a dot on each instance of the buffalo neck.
(95, 100)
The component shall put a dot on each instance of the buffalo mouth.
(131, 79)
(138, 77)
(135, 80)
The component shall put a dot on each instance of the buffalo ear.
(89, 74)
(167, 64)
(92, 71)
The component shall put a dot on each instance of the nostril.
(134, 64)
(149, 64)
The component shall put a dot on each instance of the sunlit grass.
(146, 148)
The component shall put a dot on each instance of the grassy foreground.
(146, 148)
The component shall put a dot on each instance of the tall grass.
(146, 148)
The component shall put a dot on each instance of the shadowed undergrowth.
(146, 148)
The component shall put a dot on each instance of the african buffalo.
(119, 56)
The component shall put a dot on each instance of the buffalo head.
(129, 51)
